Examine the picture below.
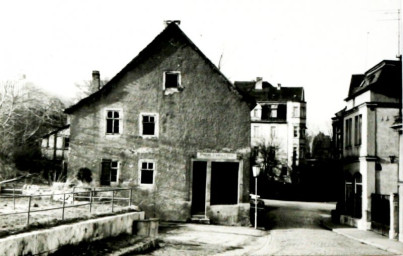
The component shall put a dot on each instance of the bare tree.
(26, 113)
(85, 88)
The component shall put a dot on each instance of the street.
(294, 229)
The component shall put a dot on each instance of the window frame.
(273, 111)
(118, 165)
(295, 131)
(120, 111)
(64, 143)
(358, 130)
(295, 111)
(179, 81)
(140, 172)
(156, 125)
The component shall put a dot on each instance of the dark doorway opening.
(224, 183)
(199, 188)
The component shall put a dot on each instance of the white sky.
(317, 44)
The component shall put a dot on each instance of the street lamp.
(256, 172)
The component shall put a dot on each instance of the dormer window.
(172, 79)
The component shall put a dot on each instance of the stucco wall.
(205, 116)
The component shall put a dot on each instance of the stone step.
(202, 219)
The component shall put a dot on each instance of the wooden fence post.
(14, 197)
(73, 193)
(29, 209)
(90, 200)
(113, 197)
(130, 197)
(64, 202)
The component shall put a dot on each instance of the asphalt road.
(294, 229)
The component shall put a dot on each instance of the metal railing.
(87, 197)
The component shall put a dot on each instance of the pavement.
(367, 237)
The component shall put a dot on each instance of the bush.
(84, 175)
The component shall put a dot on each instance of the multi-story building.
(171, 125)
(278, 120)
(368, 147)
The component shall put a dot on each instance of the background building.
(278, 120)
(369, 148)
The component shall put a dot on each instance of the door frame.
(208, 179)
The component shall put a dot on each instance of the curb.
(138, 248)
(377, 245)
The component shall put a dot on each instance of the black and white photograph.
(190, 127)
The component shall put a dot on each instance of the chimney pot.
(96, 81)
(167, 22)
(278, 86)
(259, 83)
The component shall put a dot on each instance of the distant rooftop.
(384, 78)
(269, 92)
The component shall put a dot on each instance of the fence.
(109, 199)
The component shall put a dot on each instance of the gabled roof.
(171, 30)
(271, 93)
(384, 78)
(56, 131)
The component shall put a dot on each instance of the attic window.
(172, 79)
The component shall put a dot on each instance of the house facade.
(55, 148)
(172, 126)
(368, 148)
(278, 120)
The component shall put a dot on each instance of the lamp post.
(256, 172)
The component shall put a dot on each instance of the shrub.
(84, 175)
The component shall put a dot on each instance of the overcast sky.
(316, 44)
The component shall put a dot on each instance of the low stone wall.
(49, 240)
(348, 220)
(233, 215)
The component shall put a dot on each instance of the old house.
(171, 125)
(368, 148)
(278, 120)
(55, 148)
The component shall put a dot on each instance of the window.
(66, 143)
(149, 125)
(357, 129)
(273, 111)
(295, 131)
(302, 133)
(255, 113)
(112, 122)
(109, 172)
(273, 132)
(303, 112)
(171, 79)
(348, 132)
(256, 131)
(147, 168)
(295, 111)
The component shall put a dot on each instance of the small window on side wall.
(172, 79)
(147, 169)
(112, 122)
(149, 125)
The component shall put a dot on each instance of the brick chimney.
(259, 83)
(96, 81)
(279, 87)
